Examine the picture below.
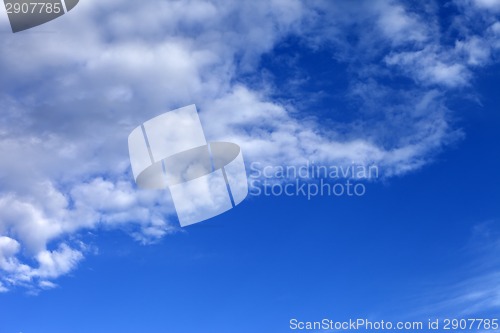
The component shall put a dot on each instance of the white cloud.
(44, 284)
(69, 100)
(8, 249)
(399, 25)
(477, 293)
(493, 5)
(430, 66)
(477, 51)
(58, 262)
(38, 220)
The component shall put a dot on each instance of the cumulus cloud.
(70, 96)
(67, 113)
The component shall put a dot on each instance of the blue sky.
(408, 87)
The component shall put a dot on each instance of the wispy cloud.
(477, 291)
